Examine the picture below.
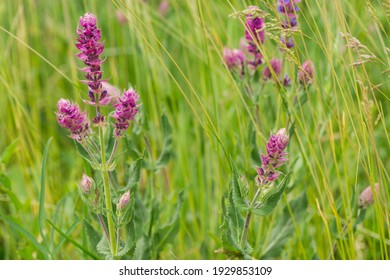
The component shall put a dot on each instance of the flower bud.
(366, 198)
(86, 183)
(124, 201)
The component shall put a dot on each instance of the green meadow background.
(340, 146)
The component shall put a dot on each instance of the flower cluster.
(288, 9)
(234, 60)
(306, 73)
(125, 110)
(255, 35)
(276, 66)
(274, 158)
(366, 198)
(90, 47)
(69, 116)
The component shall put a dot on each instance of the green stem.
(107, 195)
(113, 152)
(244, 235)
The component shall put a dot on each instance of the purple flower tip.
(276, 66)
(306, 73)
(69, 116)
(90, 47)
(254, 35)
(125, 111)
(274, 158)
(288, 8)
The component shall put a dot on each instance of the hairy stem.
(244, 235)
(103, 224)
(107, 196)
(113, 152)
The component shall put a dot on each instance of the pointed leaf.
(284, 229)
(104, 248)
(271, 199)
(41, 212)
(9, 151)
(238, 200)
(167, 233)
(93, 236)
(167, 145)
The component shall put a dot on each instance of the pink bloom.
(234, 60)
(306, 73)
(366, 198)
(125, 111)
(276, 66)
(69, 116)
(88, 42)
(254, 35)
(274, 158)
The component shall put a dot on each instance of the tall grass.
(341, 142)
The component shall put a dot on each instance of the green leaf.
(9, 151)
(93, 236)
(132, 183)
(74, 242)
(166, 153)
(238, 200)
(41, 212)
(271, 199)
(29, 236)
(231, 230)
(12, 196)
(255, 156)
(83, 153)
(134, 174)
(167, 233)
(5, 181)
(103, 248)
(284, 229)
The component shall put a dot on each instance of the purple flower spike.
(288, 8)
(274, 158)
(125, 111)
(90, 49)
(254, 35)
(234, 60)
(69, 116)
(276, 65)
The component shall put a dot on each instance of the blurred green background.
(174, 60)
